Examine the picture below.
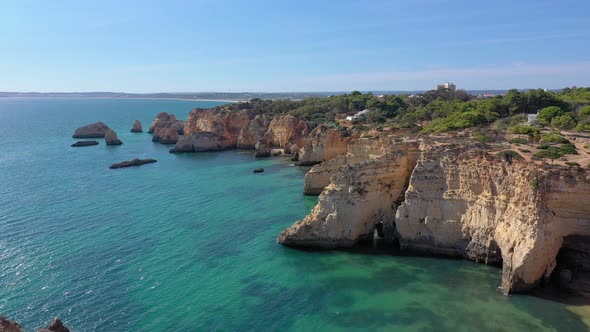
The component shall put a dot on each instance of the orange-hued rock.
(285, 131)
(165, 135)
(457, 200)
(324, 143)
(165, 120)
(202, 141)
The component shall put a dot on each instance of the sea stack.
(165, 120)
(111, 138)
(94, 130)
(136, 127)
(56, 326)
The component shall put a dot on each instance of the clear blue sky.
(216, 45)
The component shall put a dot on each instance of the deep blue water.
(188, 243)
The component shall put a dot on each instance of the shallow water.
(188, 243)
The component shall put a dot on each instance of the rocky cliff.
(455, 200)
(165, 120)
(242, 130)
(324, 143)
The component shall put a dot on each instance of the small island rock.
(111, 138)
(84, 143)
(56, 326)
(258, 170)
(132, 162)
(136, 127)
(95, 130)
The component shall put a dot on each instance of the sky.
(292, 45)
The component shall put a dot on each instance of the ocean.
(189, 243)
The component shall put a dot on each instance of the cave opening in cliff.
(572, 270)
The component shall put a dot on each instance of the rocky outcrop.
(165, 135)
(202, 141)
(55, 326)
(94, 130)
(84, 143)
(242, 129)
(262, 150)
(165, 120)
(111, 138)
(136, 127)
(8, 325)
(132, 162)
(324, 143)
(357, 199)
(284, 131)
(460, 201)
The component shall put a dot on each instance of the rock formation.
(324, 143)
(56, 326)
(136, 127)
(8, 325)
(358, 150)
(457, 200)
(84, 143)
(111, 138)
(132, 162)
(165, 120)
(95, 130)
(202, 141)
(165, 135)
(284, 131)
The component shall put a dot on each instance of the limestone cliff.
(459, 201)
(324, 143)
(357, 151)
(284, 131)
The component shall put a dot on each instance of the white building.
(357, 115)
(446, 86)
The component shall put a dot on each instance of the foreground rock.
(56, 326)
(202, 141)
(84, 143)
(456, 200)
(165, 136)
(95, 130)
(133, 162)
(111, 138)
(8, 325)
(324, 143)
(136, 127)
(165, 120)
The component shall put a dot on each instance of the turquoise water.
(188, 243)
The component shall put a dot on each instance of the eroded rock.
(94, 130)
(111, 138)
(136, 127)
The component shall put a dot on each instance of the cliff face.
(284, 131)
(357, 151)
(459, 201)
(165, 120)
(324, 143)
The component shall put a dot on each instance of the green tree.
(548, 113)
(565, 121)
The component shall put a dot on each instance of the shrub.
(555, 152)
(572, 164)
(524, 150)
(481, 137)
(553, 138)
(509, 155)
(566, 121)
(543, 147)
(519, 140)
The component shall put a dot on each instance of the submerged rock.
(132, 162)
(136, 127)
(111, 138)
(258, 170)
(56, 326)
(84, 143)
(95, 130)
